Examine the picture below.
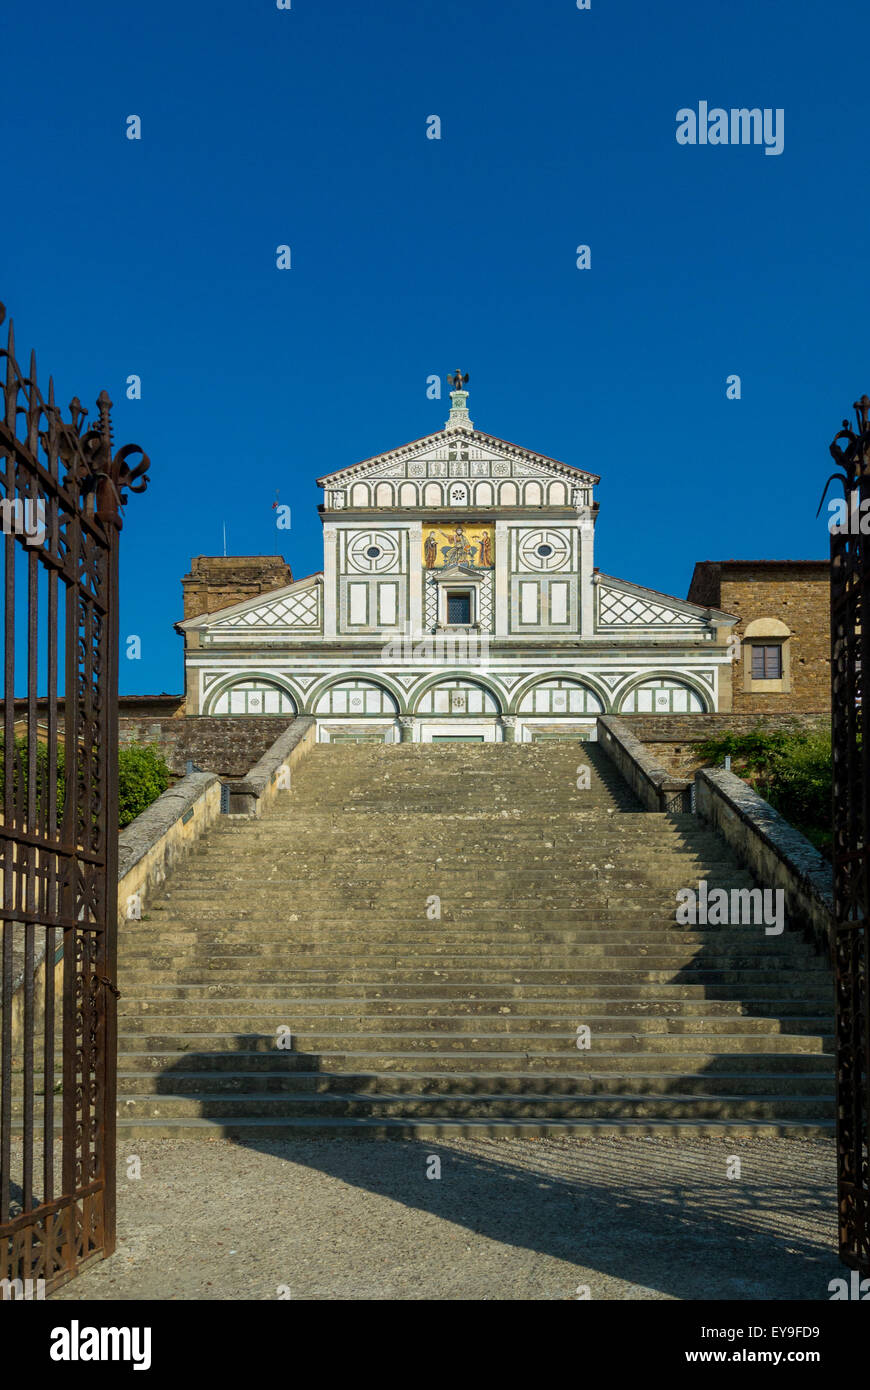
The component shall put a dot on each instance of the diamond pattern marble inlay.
(628, 610)
(297, 610)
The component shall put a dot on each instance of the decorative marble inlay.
(295, 610)
(619, 609)
(373, 552)
(544, 550)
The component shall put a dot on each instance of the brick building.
(782, 659)
(216, 581)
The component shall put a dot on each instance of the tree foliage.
(791, 769)
(142, 776)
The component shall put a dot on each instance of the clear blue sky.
(411, 257)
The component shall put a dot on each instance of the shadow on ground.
(651, 1214)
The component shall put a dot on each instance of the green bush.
(792, 769)
(142, 776)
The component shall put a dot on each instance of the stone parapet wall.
(273, 773)
(670, 738)
(777, 854)
(226, 744)
(151, 846)
(653, 785)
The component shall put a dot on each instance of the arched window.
(255, 696)
(458, 697)
(560, 697)
(662, 697)
(356, 697)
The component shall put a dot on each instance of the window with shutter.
(767, 663)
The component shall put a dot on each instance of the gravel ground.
(510, 1219)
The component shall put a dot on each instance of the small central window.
(545, 550)
(373, 552)
(766, 663)
(459, 608)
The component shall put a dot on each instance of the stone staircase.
(296, 977)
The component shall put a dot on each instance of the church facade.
(458, 600)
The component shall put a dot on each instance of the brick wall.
(670, 738)
(223, 744)
(796, 593)
(217, 581)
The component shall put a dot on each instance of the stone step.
(633, 834)
(412, 907)
(523, 1023)
(588, 904)
(545, 1109)
(558, 909)
(315, 955)
(260, 1129)
(485, 1041)
(553, 868)
(504, 806)
(265, 1057)
(498, 1107)
(232, 971)
(505, 919)
(636, 826)
(613, 1074)
(418, 926)
(300, 847)
(562, 1084)
(388, 898)
(415, 934)
(639, 929)
(230, 996)
(817, 1012)
(503, 935)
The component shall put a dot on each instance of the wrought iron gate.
(61, 487)
(850, 663)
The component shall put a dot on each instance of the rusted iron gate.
(850, 665)
(61, 487)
